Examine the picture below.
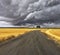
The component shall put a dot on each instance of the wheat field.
(54, 34)
(6, 33)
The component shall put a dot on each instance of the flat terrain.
(31, 43)
(6, 33)
(54, 34)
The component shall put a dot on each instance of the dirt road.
(32, 43)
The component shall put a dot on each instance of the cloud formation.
(30, 11)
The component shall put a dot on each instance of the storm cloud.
(30, 11)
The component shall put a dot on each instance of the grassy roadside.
(54, 35)
(6, 33)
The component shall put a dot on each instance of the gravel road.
(32, 43)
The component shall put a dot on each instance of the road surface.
(32, 43)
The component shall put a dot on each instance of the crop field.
(54, 34)
(32, 42)
(6, 33)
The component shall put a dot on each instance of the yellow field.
(55, 34)
(5, 33)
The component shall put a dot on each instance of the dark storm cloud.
(30, 11)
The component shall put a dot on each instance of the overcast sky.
(29, 11)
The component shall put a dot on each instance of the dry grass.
(6, 33)
(54, 34)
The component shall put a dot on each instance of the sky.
(30, 11)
